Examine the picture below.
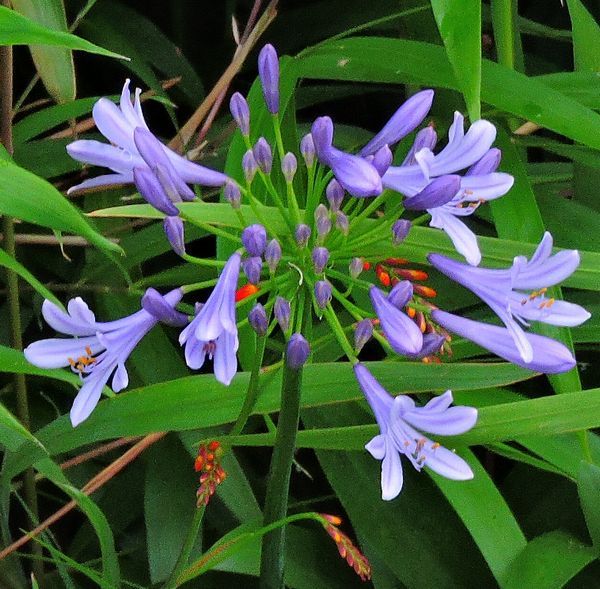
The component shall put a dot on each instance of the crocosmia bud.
(335, 195)
(289, 165)
(307, 149)
(322, 293)
(254, 238)
(320, 257)
(268, 70)
(232, 194)
(249, 166)
(400, 230)
(272, 254)
(297, 351)
(302, 234)
(173, 227)
(355, 267)
(252, 267)
(240, 112)
(362, 334)
(282, 311)
(263, 155)
(258, 319)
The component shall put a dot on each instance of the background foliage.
(531, 516)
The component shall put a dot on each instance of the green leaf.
(9, 262)
(12, 432)
(15, 29)
(376, 59)
(548, 562)
(486, 515)
(26, 196)
(459, 24)
(54, 64)
(586, 37)
(588, 486)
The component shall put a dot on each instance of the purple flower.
(214, 330)
(307, 149)
(254, 238)
(98, 350)
(121, 155)
(400, 230)
(548, 355)
(174, 231)
(505, 290)
(400, 424)
(258, 319)
(322, 293)
(268, 70)
(263, 155)
(400, 331)
(240, 112)
(297, 351)
(232, 194)
(406, 119)
(479, 184)
(355, 174)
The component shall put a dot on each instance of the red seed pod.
(245, 291)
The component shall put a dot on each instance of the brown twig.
(187, 131)
(34, 239)
(92, 485)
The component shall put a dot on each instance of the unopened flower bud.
(282, 311)
(173, 227)
(356, 267)
(362, 334)
(254, 238)
(268, 70)
(249, 166)
(425, 139)
(401, 294)
(382, 159)
(263, 155)
(341, 222)
(289, 165)
(323, 293)
(302, 234)
(272, 254)
(400, 230)
(320, 257)
(437, 193)
(297, 351)
(258, 319)
(307, 149)
(240, 112)
(252, 268)
(322, 220)
(232, 194)
(335, 195)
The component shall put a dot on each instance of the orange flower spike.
(424, 291)
(245, 291)
(366, 265)
(384, 278)
(396, 261)
(411, 274)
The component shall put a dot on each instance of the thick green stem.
(186, 549)
(276, 502)
(12, 287)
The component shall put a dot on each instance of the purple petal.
(356, 175)
(450, 422)
(162, 310)
(104, 180)
(406, 119)
(322, 134)
(78, 321)
(88, 397)
(485, 187)
(426, 138)
(549, 356)
(55, 352)
(378, 398)
(376, 447)
(487, 164)
(120, 379)
(225, 360)
(437, 193)
(151, 190)
(448, 464)
(268, 70)
(392, 477)
(548, 273)
(400, 294)
(113, 125)
(463, 239)
(382, 160)
(96, 153)
(132, 114)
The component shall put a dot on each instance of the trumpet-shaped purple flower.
(400, 424)
(121, 155)
(505, 290)
(480, 183)
(98, 350)
(355, 174)
(548, 355)
(213, 331)
(400, 331)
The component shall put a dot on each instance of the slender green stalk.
(186, 549)
(503, 13)
(12, 286)
(253, 388)
(276, 501)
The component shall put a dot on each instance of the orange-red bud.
(245, 291)
(384, 278)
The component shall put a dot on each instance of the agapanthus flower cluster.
(306, 215)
